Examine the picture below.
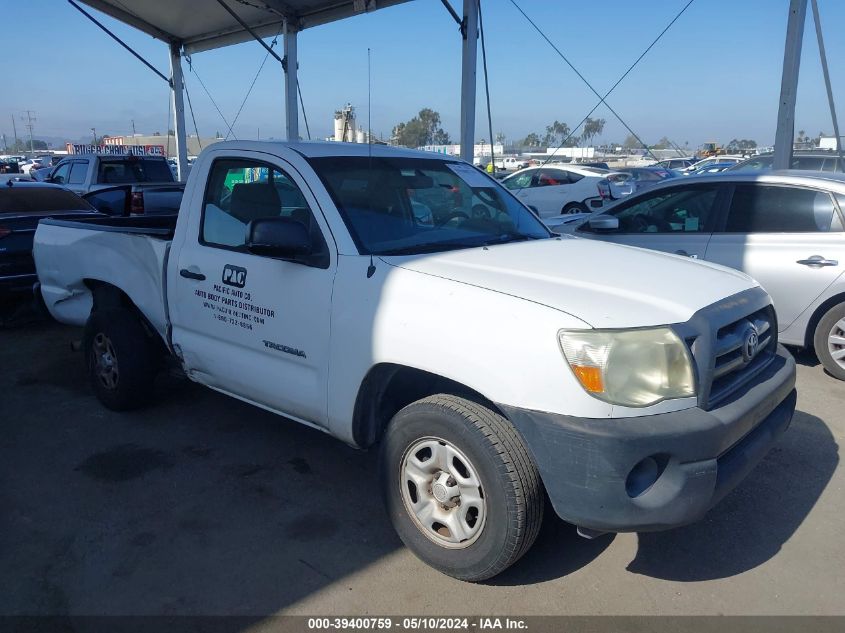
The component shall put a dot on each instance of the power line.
(302, 105)
(193, 118)
(602, 99)
(213, 102)
(254, 79)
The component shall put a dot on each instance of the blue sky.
(715, 74)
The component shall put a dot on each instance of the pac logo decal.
(234, 276)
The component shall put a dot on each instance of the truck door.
(249, 325)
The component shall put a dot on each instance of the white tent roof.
(201, 25)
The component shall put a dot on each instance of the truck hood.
(604, 285)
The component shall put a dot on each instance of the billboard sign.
(137, 150)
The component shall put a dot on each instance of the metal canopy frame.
(193, 26)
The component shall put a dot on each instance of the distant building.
(195, 144)
(828, 142)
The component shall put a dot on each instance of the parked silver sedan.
(784, 228)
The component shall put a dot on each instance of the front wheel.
(460, 486)
(829, 341)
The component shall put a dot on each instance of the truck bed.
(73, 256)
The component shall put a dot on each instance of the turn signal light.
(4, 231)
(590, 377)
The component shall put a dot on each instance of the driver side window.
(685, 210)
(240, 191)
(61, 174)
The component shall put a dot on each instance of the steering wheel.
(452, 216)
(481, 211)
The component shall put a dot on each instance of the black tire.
(510, 484)
(828, 326)
(574, 207)
(134, 351)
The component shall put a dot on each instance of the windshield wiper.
(507, 238)
(433, 247)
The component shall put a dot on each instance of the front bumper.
(697, 456)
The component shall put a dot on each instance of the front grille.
(717, 337)
(734, 364)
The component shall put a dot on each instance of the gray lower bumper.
(593, 469)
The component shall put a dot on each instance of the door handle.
(190, 274)
(685, 254)
(817, 260)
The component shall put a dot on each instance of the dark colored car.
(22, 205)
(818, 160)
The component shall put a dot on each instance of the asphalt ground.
(200, 504)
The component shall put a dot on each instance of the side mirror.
(604, 223)
(282, 238)
(534, 209)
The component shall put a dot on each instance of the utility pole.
(133, 131)
(29, 123)
(15, 130)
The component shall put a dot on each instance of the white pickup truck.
(511, 163)
(397, 298)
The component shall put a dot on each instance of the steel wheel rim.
(105, 361)
(442, 493)
(836, 342)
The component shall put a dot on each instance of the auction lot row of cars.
(410, 302)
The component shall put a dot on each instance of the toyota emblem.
(749, 345)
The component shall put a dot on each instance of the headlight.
(631, 368)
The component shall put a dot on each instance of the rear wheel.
(460, 486)
(121, 358)
(574, 207)
(829, 341)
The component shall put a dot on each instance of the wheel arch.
(819, 312)
(389, 387)
(107, 296)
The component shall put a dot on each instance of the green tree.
(632, 143)
(555, 133)
(532, 140)
(592, 128)
(423, 129)
(663, 143)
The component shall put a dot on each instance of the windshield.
(399, 206)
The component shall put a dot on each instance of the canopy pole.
(469, 58)
(785, 132)
(291, 66)
(817, 19)
(178, 105)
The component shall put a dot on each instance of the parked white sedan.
(784, 228)
(558, 189)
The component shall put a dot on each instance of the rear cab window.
(132, 169)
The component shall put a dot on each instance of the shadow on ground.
(752, 523)
(201, 504)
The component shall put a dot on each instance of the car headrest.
(254, 200)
